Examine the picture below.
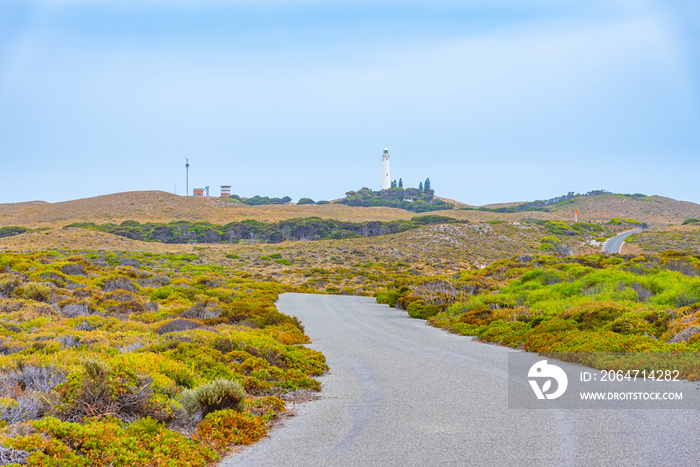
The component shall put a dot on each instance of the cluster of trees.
(311, 228)
(310, 201)
(263, 200)
(547, 204)
(411, 199)
(423, 188)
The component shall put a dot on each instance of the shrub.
(422, 311)
(119, 283)
(177, 325)
(74, 269)
(388, 297)
(12, 456)
(109, 442)
(37, 292)
(220, 394)
(100, 390)
(559, 228)
(74, 310)
(510, 333)
(306, 201)
(477, 317)
(219, 430)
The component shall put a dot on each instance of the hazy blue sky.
(494, 100)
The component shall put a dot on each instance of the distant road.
(613, 245)
(402, 393)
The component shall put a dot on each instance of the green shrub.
(37, 292)
(560, 228)
(422, 311)
(388, 297)
(620, 221)
(510, 333)
(220, 394)
(306, 201)
(586, 227)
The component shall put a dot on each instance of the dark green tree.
(420, 187)
(426, 186)
(400, 183)
(393, 183)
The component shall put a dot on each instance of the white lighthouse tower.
(386, 173)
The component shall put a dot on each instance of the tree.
(393, 183)
(400, 183)
(286, 200)
(426, 186)
(420, 187)
(306, 201)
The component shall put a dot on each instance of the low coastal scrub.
(10, 231)
(311, 228)
(546, 304)
(115, 358)
(626, 222)
(686, 239)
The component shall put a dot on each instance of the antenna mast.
(187, 176)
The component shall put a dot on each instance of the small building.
(198, 192)
(225, 191)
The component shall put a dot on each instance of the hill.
(157, 206)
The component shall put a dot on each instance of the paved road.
(400, 392)
(613, 245)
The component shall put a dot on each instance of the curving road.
(400, 392)
(613, 245)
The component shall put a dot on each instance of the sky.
(493, 100)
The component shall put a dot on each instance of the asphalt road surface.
(613, 245)
(402, 393)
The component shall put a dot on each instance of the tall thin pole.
(187, 177)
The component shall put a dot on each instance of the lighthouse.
(386, 173)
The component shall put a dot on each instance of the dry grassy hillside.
(157, 206)
(655, 210)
